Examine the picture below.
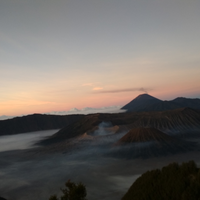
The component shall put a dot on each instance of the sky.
(65, 54)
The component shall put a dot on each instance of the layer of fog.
(86, 110)
(3, 117)
(89, 110)
(23, 141)
(102, 129)
(36, 174)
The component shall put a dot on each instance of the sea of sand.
(30, 172)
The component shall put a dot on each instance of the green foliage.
(73, 191)
(177, 182)
(53, 197)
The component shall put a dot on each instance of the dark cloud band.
(145, 90)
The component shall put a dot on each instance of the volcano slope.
(151, 133)
(88, 124)
(149, 142)
(141, 103)
(184, 121)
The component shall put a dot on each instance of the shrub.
(177, 182)
(73, 191)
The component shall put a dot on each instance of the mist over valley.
(107, 152)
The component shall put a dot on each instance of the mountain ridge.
(178, 121)
(149, 112)
(141, 102)
(146, 102)
(35, 122)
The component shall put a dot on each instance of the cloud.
(88, 110)
(85, 111)
(145, 90)
(4, 117)
(97, 88)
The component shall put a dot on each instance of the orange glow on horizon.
(92, 100)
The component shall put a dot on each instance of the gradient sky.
(56, 55)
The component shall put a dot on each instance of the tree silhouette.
(73, 191)
(53, 197)
(177, 182)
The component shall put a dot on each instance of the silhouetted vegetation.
(1, 198)
(177, 182)
(73, 191)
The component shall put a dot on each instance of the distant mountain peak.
(141, 102)
(184, 98)
(145, 96)
(145, 102)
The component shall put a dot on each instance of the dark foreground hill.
(1, 198)
(35, 122)
(177, 182)
(146, 102)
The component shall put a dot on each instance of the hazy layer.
(37, 173)
(23, 141)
